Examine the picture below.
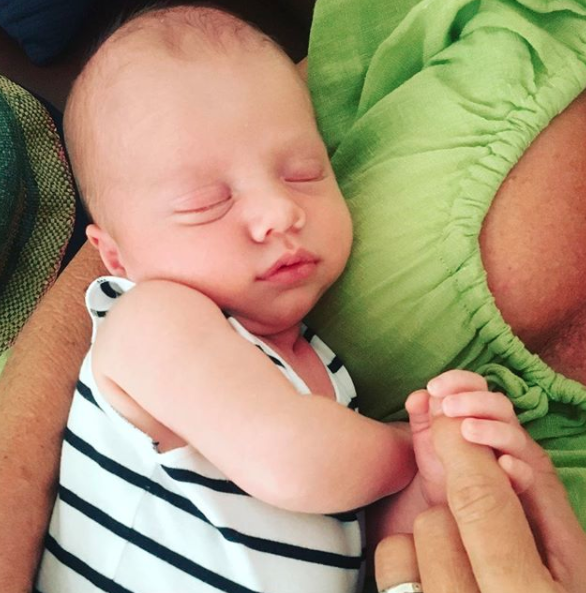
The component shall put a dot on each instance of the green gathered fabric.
(425, 106)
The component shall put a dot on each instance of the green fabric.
(4, 359)
(37, 206)
(18, 207)
(425, 107)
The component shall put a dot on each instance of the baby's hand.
(488, 419)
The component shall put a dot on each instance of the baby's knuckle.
(508, 404)
(511, 440)
(522, 440)
(505, 404)
(475, 497)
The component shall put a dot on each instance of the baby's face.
(220, 180)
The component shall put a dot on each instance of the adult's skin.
(537, 277)
(484, 542)
(35, 394)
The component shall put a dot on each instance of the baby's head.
(195, 147)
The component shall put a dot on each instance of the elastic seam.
(465, 229)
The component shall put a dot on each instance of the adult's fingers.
(395, 561)
(546, 504)
(443, 562)
(520, 474)
(490, 519)
(436, 558)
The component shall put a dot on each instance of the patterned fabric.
(37, 206)
(131, 519)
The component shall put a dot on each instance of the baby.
(190, 460)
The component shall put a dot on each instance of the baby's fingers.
(417, 406)
(506, 438)
(509, 440)
(456, 381)
(520, 474)
(485, 404)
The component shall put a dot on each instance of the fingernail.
(434, 386)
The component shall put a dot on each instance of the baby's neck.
(286, 342)
(292, 346)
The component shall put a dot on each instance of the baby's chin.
(270, 324)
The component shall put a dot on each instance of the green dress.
(425, 107)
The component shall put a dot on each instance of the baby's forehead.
(182, 34)
(126, 74)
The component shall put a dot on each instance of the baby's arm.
(171, 350)
(487, 419)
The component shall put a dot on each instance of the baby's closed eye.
(304, 170)
(204, 205)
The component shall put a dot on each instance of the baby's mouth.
(292, 265)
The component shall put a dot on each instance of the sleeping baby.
(213, 441)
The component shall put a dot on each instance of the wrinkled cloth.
(37, 206)
(425, 107)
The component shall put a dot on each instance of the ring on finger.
(412, 587)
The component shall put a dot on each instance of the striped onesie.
(130, 519)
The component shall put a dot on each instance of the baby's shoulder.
(150, 310)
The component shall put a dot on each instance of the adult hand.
(488, 419)
(483, 543)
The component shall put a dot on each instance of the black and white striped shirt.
(131, 519)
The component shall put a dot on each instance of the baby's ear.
(108, 249)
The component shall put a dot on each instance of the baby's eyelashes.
(205, 214)
(304, 171)
(204, 206)
(304, 178)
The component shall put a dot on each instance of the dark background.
(287, 21)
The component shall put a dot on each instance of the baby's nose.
(277, 215)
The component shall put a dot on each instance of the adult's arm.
(484, 542)
(35, 394)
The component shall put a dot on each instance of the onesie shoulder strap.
(101, 296)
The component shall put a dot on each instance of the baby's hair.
(176, 28)
(216, 25)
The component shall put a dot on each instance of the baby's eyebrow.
(310, 147)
